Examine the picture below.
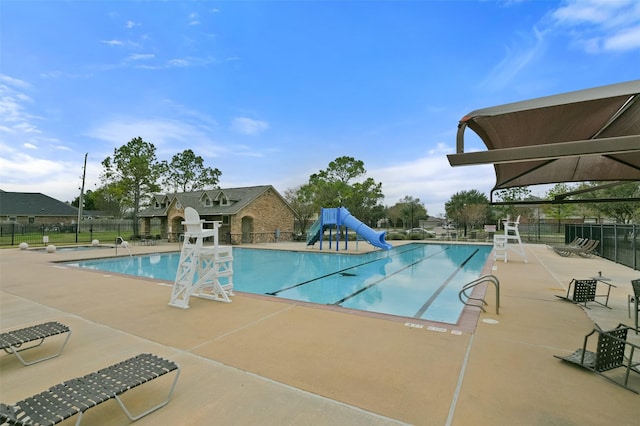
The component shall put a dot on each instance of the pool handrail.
(120, 241)
(484, 278)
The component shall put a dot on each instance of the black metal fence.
(12, 233)
(106, 231)
(618, 243)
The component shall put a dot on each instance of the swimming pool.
(415, 280)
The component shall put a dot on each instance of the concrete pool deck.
(276, 362)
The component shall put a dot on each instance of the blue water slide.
(313, 234)
(376, 238)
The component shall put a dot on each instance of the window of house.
(207, 202)
(224, 201)
(32, 219)
(225, 220)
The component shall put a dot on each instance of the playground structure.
(330, 217)
(206, 272)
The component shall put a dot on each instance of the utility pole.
(80, 202)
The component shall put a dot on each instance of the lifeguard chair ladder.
(500, 247)
(205, 272)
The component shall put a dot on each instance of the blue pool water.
(414, 280)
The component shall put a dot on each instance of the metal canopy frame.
(586, 135)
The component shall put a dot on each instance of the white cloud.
(431, 179)
(625, 40)
(517, 58)
(600, 25)
(29, 160)
(15, 164)
(141, 56)
(179, 63)
(58, 179)
(112, 42)
(167, 135)
(21, 84)
(248, 126)
(25, 127)
(14, 118)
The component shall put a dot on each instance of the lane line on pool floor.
(436, 293)
(344, 299)
(341, 271)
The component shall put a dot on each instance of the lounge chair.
(12, 341)
(635, 301)
(577, 242)
(609, 355)
(76, 396)
(587, 249)
(586, 291)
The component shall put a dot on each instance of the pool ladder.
(121, 242)
(485, 278)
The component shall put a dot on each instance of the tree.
(106, 201)
(378, 212)
(519, 193)
(559, 211)
(467, 208)
(88, 201)
(411, 211)
(335, 187)
(364, 200)
(394, 213)
(300, 201)
(621, 211)
(132, 175)
(186, 172)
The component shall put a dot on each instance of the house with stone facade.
(253, 214)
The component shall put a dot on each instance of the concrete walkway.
(263, 361)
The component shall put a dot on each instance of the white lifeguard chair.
(205, 272)
(511, 233)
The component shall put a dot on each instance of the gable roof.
(33, 204)
(587, 135)
(239, 198)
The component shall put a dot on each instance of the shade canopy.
(587, 135)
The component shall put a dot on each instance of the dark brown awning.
(587, 135)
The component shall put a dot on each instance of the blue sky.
(270, 92)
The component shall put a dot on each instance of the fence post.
(615, 242)
(601, 239)
(633, 246)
